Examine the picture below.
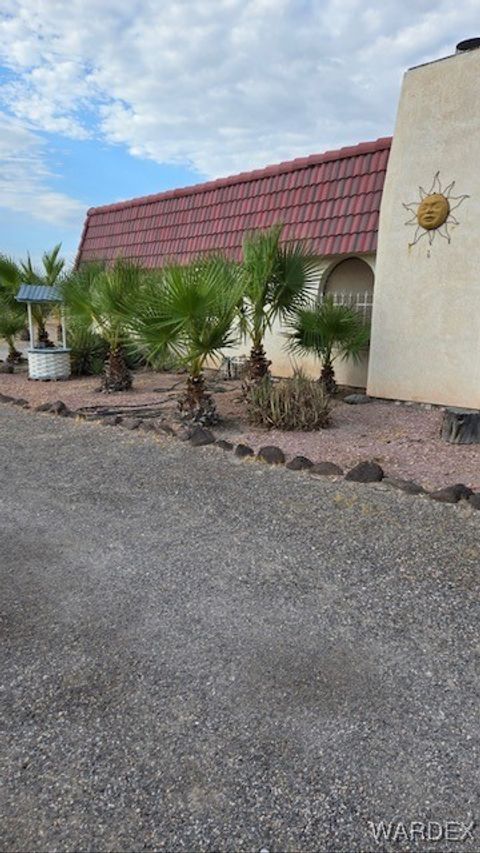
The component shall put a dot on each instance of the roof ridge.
(256, 174)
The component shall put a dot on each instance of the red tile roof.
(331, 200)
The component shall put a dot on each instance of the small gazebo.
(44, 362)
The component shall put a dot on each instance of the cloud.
(25, 179)
(221, 85)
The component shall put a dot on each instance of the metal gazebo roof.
(38, 293)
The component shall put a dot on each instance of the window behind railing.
(360, 302)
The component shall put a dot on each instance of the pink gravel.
(404, 439)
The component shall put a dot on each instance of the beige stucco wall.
(426, 314)
(284, 364)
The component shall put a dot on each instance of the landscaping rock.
(452, 494)
(200, 436)
(166, 428)
(4, 398)
(243, 450)
(357, 399)
(299, 463)
(271, 455)
(24, 404)
(326, 469)
(474, 500)
(58, 407)
(365, 472)
(183, 433)
(147, 425)
(111, 420)
(224, 445)
(407, 486)
(131, 423)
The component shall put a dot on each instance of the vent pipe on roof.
(468, 44)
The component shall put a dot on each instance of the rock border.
(368, 471)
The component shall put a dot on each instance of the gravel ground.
(206, 655)
(405, 440)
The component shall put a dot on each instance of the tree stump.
(461, 426)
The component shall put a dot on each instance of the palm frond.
(278, 278)
(328, 331)
(188, 312)
(10, 277)
(104, 299)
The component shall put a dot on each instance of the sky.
(102, 100)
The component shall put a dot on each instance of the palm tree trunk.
(259, 366)
(14, 355)
(327, 377)
(117, 376)
(197, 405)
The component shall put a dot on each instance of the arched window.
(351, 283)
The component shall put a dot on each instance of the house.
(330, 200)
(388, 240)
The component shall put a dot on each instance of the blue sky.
(102, 100)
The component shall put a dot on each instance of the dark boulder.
(58, 407)
(474, 500)
(452, 494)
(365, 472)
(243, 451)
(271, 455)
(299, 463)
(224, 445)
(200, 436)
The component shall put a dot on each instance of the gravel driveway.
(203, 655)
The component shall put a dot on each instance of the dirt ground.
(404, 439)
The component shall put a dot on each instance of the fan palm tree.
(103, 299)
(51, 273)
(277, 280)
(12, 321)
(12, 315)
(188, 314)
(327, 331)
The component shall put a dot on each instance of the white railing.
(360, 302)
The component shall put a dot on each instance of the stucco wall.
(426, 314)
(283, 363)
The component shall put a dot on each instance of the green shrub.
(290, 404)
(87, 350)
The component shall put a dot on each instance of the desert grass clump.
(298, 403)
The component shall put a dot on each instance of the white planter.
(50, 363)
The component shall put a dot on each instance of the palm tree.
(188, 314)
(12, 315)
(103, 299)
(328, 331)
(277, 280)
(12, 321)
(51, 274)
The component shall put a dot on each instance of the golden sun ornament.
(432, 213)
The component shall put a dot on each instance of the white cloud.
(25, 180)
(222, 85)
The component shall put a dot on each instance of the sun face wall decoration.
(432, 213)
